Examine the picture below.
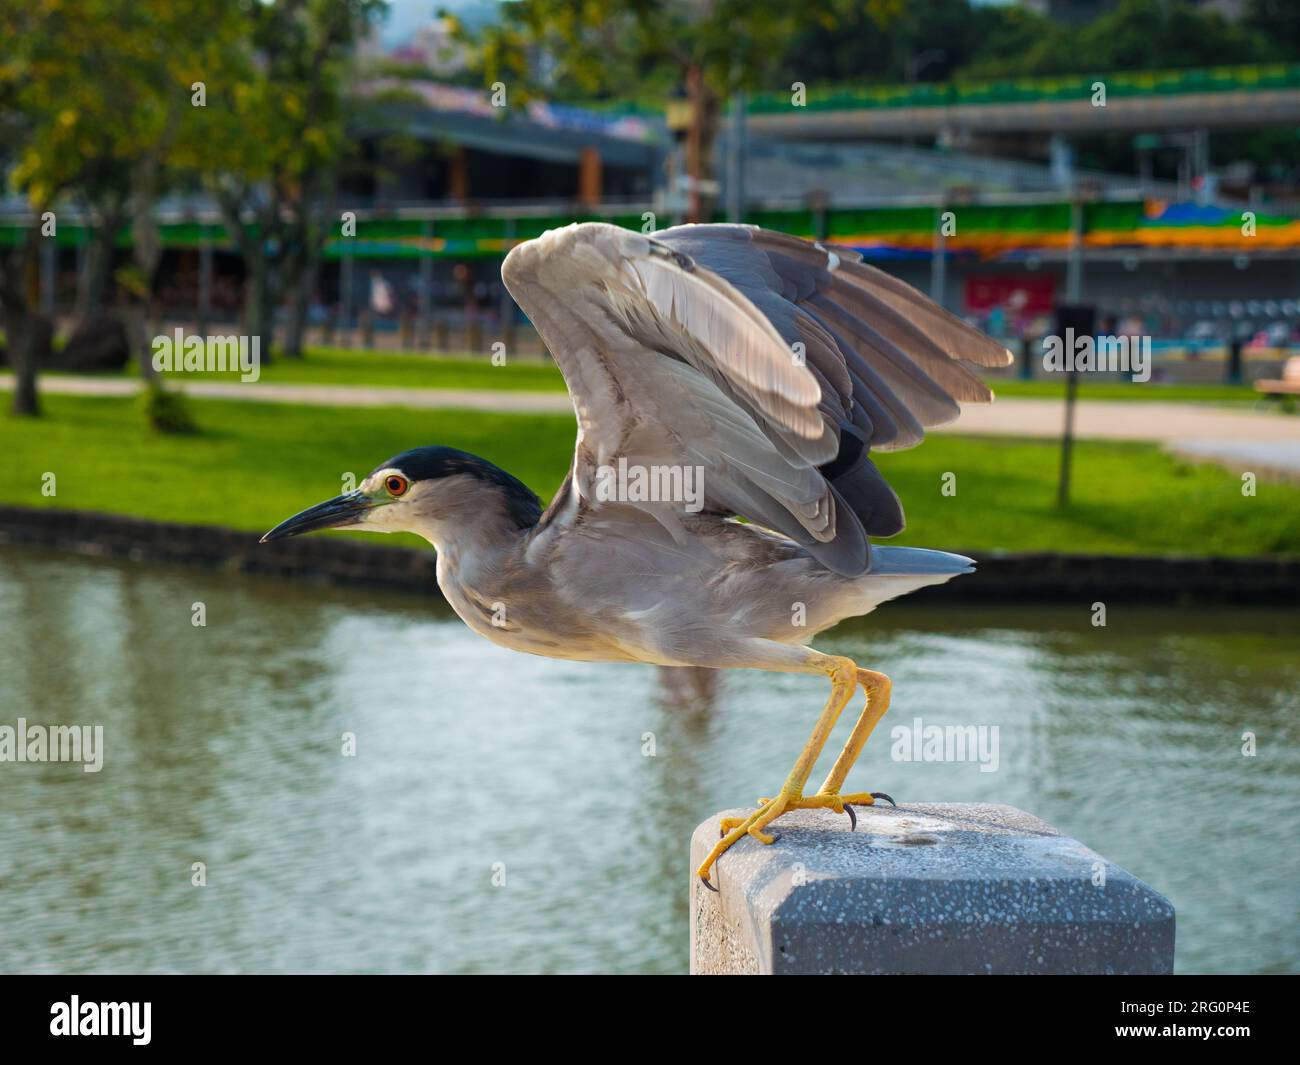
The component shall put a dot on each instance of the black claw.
(882, 795)
(708, 885)
(853, 818)
(775, 838)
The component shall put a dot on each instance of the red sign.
(1016, 293)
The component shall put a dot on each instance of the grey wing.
(890, 361)
(683, 358)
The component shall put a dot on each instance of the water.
(223, 746)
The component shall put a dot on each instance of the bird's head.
(425, 491)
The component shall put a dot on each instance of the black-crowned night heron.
(718, 372)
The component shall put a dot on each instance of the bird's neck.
(481, 534)
(474, 543)
(476, 567)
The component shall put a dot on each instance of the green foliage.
(946, 39)
(96, 84)
(280, 118)
(636, 47)
(166, 410)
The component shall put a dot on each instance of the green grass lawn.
(254, 464)
(337, 366)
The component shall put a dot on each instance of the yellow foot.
(840, 804)
(735, 828)
(827, 800)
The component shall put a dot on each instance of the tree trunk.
(267, 301)
(96, 268)
(706, 112)
(316, 206)
(23, 331)
(20, 334)
(301, 288)
(257, 319)
(146, 252)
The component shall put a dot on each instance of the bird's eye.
(396, 485)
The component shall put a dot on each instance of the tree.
(282, 137)
(1135, 35)
(94, 94)
(142, 136)
(35, 104)
(702, 50)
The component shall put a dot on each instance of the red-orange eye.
(396, 485)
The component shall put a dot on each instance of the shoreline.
(1013, 576)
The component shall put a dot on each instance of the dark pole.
(1072, 321)
(1067, 438)
(1234, 359)
(205, 281)
(1026, 345)
(736, 160)
(424, 293)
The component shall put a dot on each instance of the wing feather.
(772, 364)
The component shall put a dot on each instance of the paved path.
(1268, 435)
(1164, 423)
(1277, 458)
(488, 399)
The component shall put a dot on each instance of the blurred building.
(449, 181)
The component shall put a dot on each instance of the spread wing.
(769, 364)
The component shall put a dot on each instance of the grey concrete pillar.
(924, 888)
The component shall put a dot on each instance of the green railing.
(490, 235)
(1036, 90)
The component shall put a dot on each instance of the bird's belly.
(540, 626)
(573, 648)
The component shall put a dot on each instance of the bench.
(1289, 385)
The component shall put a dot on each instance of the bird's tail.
(898, 571)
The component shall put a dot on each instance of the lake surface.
(223, 745)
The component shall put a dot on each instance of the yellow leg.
(828, 797)
(878, 687)
(844, 679)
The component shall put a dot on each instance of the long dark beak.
(346, 509)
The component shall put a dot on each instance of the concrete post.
(924, 888)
